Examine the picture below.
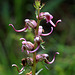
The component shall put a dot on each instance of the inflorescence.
(29, 47)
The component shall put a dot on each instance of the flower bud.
(40, 30)
(38, 39)
(27, 61)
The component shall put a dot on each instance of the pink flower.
(31, 23)
(41, 30)
(41, 57)
(45, 57)
(35, 49)
(28, 46)
(46, 61)
(48, 17)
(28, 24)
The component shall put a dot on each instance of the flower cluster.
(28, 46)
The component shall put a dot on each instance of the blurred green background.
(62, 39)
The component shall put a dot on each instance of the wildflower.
(41, 30)
(28, 24)
(41, 57)
(28, 46)
(48, 17)
(31, 23)
(45, 57)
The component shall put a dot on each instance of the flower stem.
(35, 44)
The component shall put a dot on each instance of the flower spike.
(46, 61)
(20, 71)
(18, 30)
(48, 33)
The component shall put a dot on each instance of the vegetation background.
(62, 39)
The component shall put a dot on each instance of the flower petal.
(53, 23)
(48, 33)
(23, 39)
(40, 30)
(17, 68)
(47, 16)
(18, 30)
(46, 61)
(35, 49)
(23, 46)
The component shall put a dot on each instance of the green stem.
(35, 44)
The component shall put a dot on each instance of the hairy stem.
(35, 45)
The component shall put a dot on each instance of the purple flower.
(28, 46)
(28, 24)
(31, 23)
(41, 57)
(34, 49)
(48, 17)
(41, 30)
(45, 57)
